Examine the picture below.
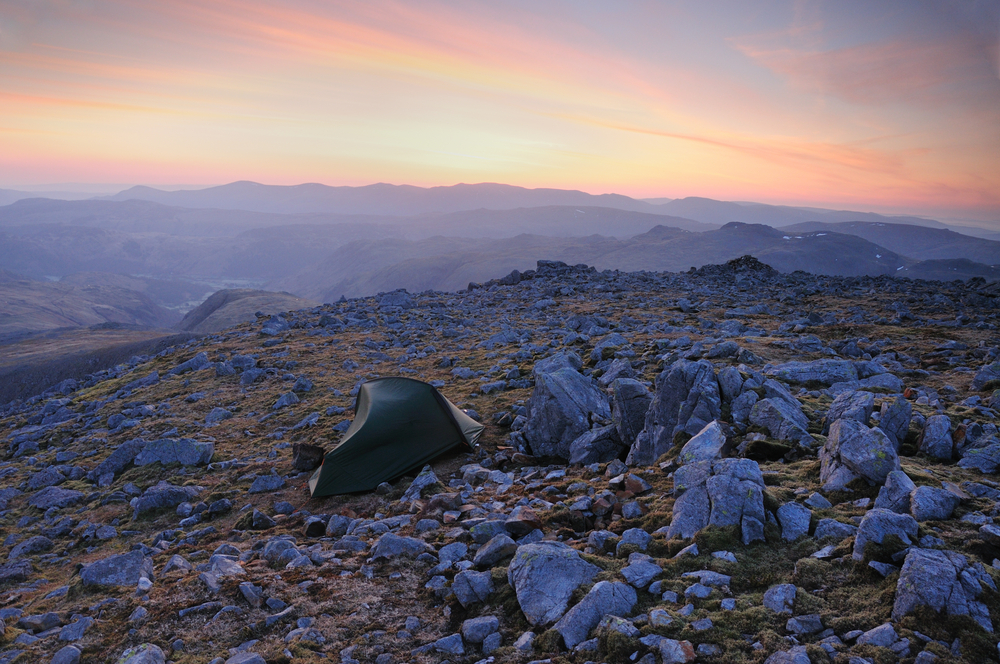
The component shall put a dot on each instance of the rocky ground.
(724, 465)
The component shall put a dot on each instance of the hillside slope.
(162, 504)
(28, 307)
(229, 307)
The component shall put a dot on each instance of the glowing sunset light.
(892, 106)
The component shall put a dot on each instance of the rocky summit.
(723, 465)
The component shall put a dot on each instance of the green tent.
(399, 425)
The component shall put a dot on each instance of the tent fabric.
(400, 424)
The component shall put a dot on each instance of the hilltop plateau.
(728, 464)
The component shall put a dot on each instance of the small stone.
(780, 598)
(475, 630)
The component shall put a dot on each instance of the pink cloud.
(904, 70)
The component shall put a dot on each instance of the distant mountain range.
(408, 201)
(145, 256)
(365, 267)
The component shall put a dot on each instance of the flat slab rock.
(182, 451)
(119, 570)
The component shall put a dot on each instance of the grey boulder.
(598, 445)
(944, 581)
(851, 406)
(877, 524)
(686, 399)
(930, 504)
(825, 372)
(706, 445)
(852, 450)
(30, 546)
(119, 570)
(472, 587)
(935, 440)
(391, 546)
(833, 528)
(53, 496)
(163, 496)
(630, 402)
(895, 493)
(605, 598)
(987, 376)
(147, 653)
(182, 451)
(118, 460)
(894, 419)
(780, 598)
(725, 492)
(984, 459)
(544, 576)
(562, 406)
(794, 520)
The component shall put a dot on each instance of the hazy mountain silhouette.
(913, 241)
(408, 200)
(366, 267)
(376, 199)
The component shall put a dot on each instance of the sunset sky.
(885, 106)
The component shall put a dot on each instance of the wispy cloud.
(744, 101)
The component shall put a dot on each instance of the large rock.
(930, 504)
(884, 382)
(706, 445)
(544, 576)
(794, 520)
(782, 419)
(820, 372)
(31, 546)
(730, 383)
(147, 653)
(742, 407)
(894, 420)
(163, 496)
(604, 599)
(936, 441)
(118, 460)
(877, 524)
(797, 655)
(426, 478)
(561, 409)
(630, 402)
(895, 493)
(850, 406)
(598, 445)
(987, 376)
(496, 549)
(183, 451)
(472, 587)
(15, 572)
(53, 496)
(853, 450)
(725, 492)
(834, 528)
(45, 477)
(391, 546)
(984, 459)
(944, 581)
(686, 399)
(119, 570)
(196, 363)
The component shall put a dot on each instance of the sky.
(889, 106)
